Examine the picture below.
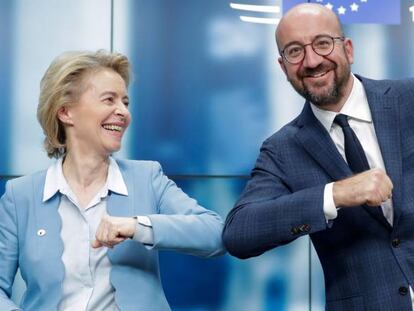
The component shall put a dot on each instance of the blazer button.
(305, 228)
(395, 243)
(403, 290)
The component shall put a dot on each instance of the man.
(315, 177)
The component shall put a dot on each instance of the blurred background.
(207, 90)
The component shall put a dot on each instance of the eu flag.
(359, 11)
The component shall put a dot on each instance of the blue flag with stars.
(358, 11)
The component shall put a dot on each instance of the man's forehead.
(306, 27)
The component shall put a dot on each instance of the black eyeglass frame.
(282, 52)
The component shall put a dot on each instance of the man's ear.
(282, 65)
(64, 116)
(349, 50)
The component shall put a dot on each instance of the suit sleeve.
(269, 213)
(181, 224)
(8, 248)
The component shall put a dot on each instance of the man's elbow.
(235, 246)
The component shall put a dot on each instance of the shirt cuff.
(329, 207)
(143, 231)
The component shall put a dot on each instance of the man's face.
(323, 80)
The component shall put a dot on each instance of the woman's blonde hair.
(63, 84)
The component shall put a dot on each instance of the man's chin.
(319, 89)
(322, 99)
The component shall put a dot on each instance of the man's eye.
(109, 99)
(323, 44)
(295, 50)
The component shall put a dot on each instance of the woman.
(85, 233)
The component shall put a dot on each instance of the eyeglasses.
(322, 45)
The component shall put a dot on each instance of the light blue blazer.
(179, 223)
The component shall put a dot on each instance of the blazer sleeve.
(8, 248)
(269, 213)
(181, 224)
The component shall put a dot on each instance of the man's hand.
(114, 230)
(372, 187)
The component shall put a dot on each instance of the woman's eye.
(109, 100)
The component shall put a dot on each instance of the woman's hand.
(114, 230)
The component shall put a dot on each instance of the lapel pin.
(41, 232)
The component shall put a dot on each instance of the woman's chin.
(108, 150)
(115, 148)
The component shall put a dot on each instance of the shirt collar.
(55, 180)
(115, 180)
(356, 107)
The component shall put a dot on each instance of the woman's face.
(97, 122)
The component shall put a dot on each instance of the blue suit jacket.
(367, 264)
(179, 223)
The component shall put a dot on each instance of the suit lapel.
(48, 219)
(384, 110)
(316, 141)
(47, 228)
(121, 205)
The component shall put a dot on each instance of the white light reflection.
(274, 9)
(255, 8)
(260, 20)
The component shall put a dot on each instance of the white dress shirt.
(86, 285)
(360, 120)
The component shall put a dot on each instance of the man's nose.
(311, 59)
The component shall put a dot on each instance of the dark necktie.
(355, 156)
(354, 153)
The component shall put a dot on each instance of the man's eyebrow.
(318, 35)
(290, 43)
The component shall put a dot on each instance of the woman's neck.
(85, 174)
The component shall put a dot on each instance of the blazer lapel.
(384, 110)
(47, 227)
(121, 205)
(48, 220)
(316, 141)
